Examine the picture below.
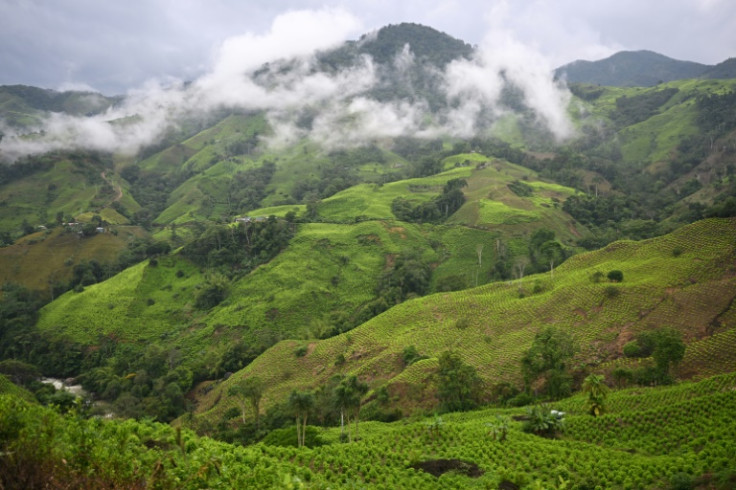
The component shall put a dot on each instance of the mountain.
(725, 69)
(427, 44)
(22, 105)
(375, 229)
(631, 69)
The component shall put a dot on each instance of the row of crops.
(649, 437)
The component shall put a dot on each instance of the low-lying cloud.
(343, 111)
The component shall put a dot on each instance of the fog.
(344, 113)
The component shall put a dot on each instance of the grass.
(658, 289)
(329, 271)
(651, 437)
(59, 251)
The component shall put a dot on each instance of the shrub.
(410, 355)
(612, 291)
(632, 349)
(681, 481)
(520, 400)
(615, 276)
(301, 351)
(622, 376)
(286, 437)
(459, 386)
(596, 277)
(462, 323)
(543, 421)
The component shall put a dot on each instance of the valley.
(297, 297)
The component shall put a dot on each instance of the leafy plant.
(597, 392)
(543, 421)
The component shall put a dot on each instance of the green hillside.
(631, 69)
(230, 284)
(683, 280)
(47, 258)
(652, 438)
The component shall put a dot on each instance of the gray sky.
(115, 46)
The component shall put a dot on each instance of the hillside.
(631, 69)
(24, 106)
(651, 438)
(684, 280)
(374, 233)
(327, 278)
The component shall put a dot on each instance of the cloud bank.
(343, 111)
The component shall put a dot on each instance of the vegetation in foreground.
(678, 436)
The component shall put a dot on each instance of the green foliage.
(500, 429)
(459, 387)
(650, 438)
(19, 372)
(520, 188)
(632, 349)
(597, 391)
(615, 276)
(212, 292)
(348, 395)
(410, 355)
(286, 438)
(543, 421)
(637, 108)
(547, 359)
(432, 211)
(249, 390)
(238, 249)
(669, 350)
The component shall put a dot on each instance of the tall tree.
(669, 349)
(301, 404)
(459, 386)
(249, 391)
(348, 396)
(547, 358)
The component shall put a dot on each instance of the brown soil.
(438, 467)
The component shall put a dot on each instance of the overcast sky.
(115, 46)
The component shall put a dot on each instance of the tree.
(597, 392)
(552, 253)
(669, 349)
(615, 276)
(249, 391)
(348, 396)
(459, 386)
(301, 405)
(547, 358)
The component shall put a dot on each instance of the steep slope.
(685, 280)
(46, 260)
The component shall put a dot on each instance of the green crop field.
(650, 438)
(500, 320)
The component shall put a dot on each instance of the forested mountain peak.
(426, 43)
(631, 69)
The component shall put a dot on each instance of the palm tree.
(597, 392)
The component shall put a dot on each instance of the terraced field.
(500, 320)
(652, 438)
